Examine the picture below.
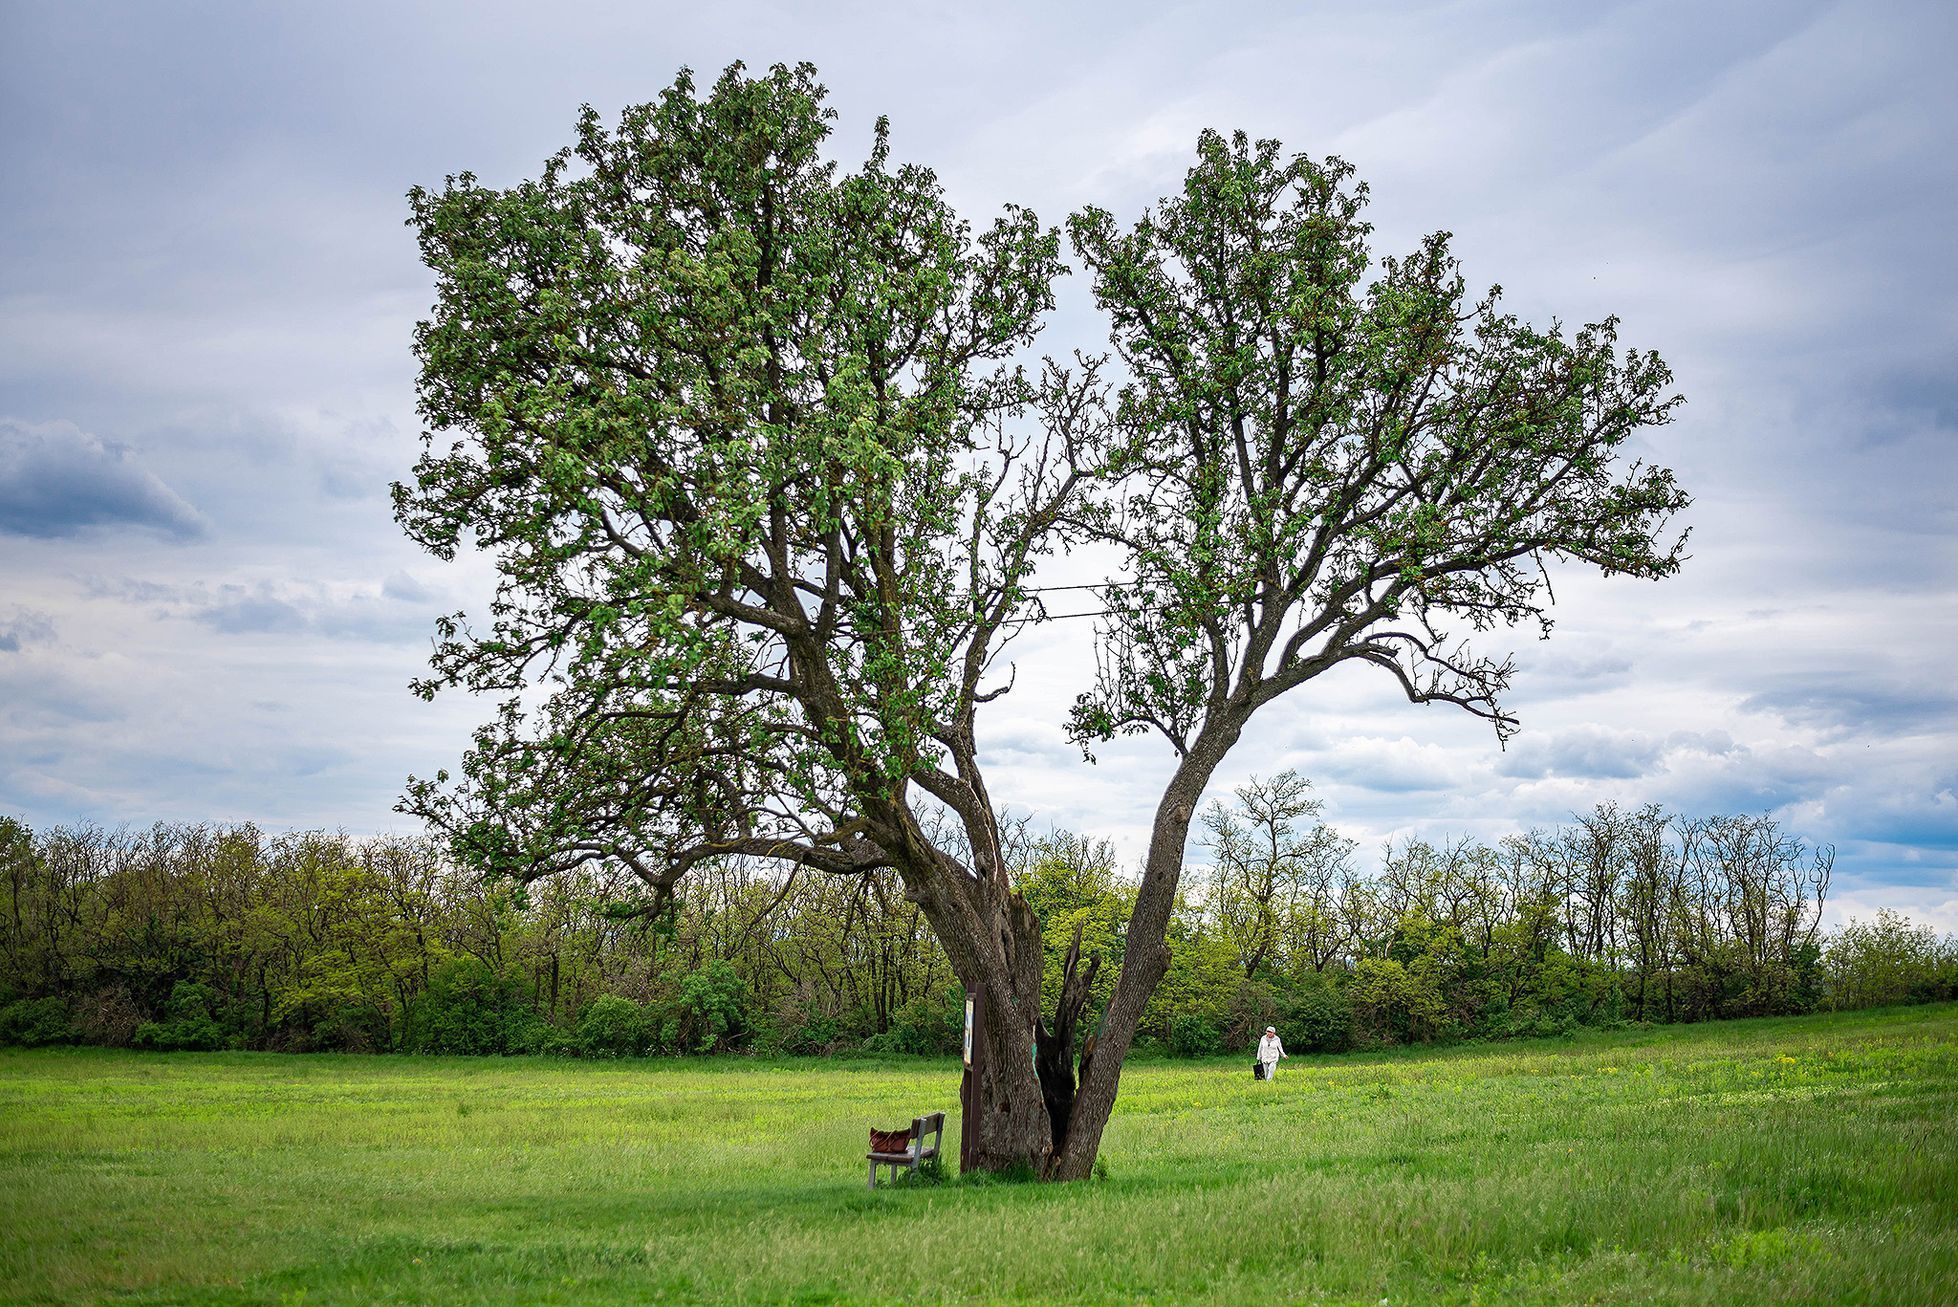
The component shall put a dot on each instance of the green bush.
(1253, 1006)
(795, 1027)
(612, 1026)
(353, 1026)
(468, 1008)
(35, 1023)
(1888, 960)
(1316, 1016)
(709, 1012)
(1194, 1035)
(187, 1024)
(925, 1025)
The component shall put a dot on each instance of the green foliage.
(1071, 885)
(1355, 449)
(35, 1023)
(1316, 1015)
(1192, 1034)
(469, 1007)
(316, 943)
(612, 1026)
(696, 324)
(1018, 1175)
(707, 1014)
(928, 1024)
(1889, 960)
(351, 1025)
(928, 1174)
(188, 1024)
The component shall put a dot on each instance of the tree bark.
(1146, 957)
(1040, 1108)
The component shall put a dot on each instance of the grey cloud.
(1586, 752)
(1400, 766)
(386, 619)
(1712, 743)
(58, 480)
(404, 609)
(40, 696)
(126, 589)
(1853, 703)
(1757, 779)
(1549, 670)
(252, 616)
(407, 589)
(25, 627)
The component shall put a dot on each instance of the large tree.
(768, 483)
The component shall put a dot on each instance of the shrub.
(1888, 960)
(355, 1026)
(796, 1027)
(1317, 1016)
(187, 1024)
(108, 1016)
(469, 1008)
(925, 1025)
(35, 1023)
(612, 1026)
(1253, 1006)
(709, 1011)
(1194, 1035)
(928, 1174)
(1415, 1002)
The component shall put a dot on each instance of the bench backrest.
(934, 1125)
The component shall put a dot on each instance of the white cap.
(1271, 1030)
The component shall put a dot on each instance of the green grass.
(1803, 1160)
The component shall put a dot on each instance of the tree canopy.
(768, 478)
(1326, 461)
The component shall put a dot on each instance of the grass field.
(1803, 1160)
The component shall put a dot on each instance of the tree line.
(215, 936)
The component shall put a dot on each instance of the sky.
(207, 296)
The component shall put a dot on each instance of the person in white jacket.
(1269, 1051)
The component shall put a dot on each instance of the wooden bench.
(919, 1151)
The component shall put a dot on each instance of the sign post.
(971, 1098)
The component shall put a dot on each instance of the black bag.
(1257, 1071)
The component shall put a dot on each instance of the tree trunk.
(1040, 1108)
(1014, 1130)
(1146, 957)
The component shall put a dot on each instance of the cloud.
(25, 627)
(251, 615)
(408, 589)
(58, 480)
(1588, 751)
(1402, 766)
(1856, 704)
(398, 609)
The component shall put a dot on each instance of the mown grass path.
(1802, 1160)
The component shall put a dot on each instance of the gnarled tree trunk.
(1047, 1088)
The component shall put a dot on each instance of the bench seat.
(919, 1151)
